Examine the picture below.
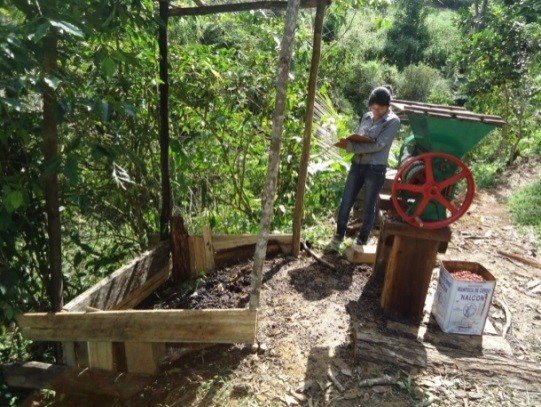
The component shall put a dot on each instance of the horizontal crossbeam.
(203, 326)
(234, 7)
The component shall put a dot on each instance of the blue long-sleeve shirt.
(382, 131)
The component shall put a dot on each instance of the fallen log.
(524, 260)
(407, 353)
(72, 380)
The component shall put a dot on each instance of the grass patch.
(486, 174)
(525, 208)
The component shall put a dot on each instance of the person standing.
(371, 145)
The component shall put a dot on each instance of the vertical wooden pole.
(180, 251)
(50, 152)
(164, 121)
(274, 151)
(209, 248)
(303, 170)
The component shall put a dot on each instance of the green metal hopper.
(433, 187)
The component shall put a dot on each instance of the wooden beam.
(242, 253)
(407, 353)
(224, 242)
(163, 89)
(229, 8)
(203, 326)
(128, 285)
(307, 137)
(70, 380)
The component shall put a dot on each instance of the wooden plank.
(442, 115)
(402, 102)
(242, 253)
(196, 255)
(208, 248)
(69, 380)
(235, 7)
(100, 355)
(497, 122)
(382, 348)
(367, 256)
(224, 242)
(204, 326)
(180, 251)
(143, 291)
(144, 357)
(436, 337)
(127, 284)
(407, 277)
(468, 118)
(403, 229)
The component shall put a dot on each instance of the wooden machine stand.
(405, 258)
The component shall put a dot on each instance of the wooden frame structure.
(99, 328)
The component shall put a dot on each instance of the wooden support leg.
(100, 355)
(144, 357)
(208, 248)
(408, 276)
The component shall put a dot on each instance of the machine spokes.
(432, 190)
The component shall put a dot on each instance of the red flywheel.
(432, 182)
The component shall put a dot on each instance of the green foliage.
(423, 84)
(100, 126)
(443, 37)
(486, 174)
(13, 348)
(500, 71)
(525, 208)
(408, 36)
(357, 84)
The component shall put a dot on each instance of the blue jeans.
(372, 177)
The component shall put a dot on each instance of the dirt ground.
(306, 352)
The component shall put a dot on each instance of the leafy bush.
(443, 35)
(485, 174)
(525, 208)
(423, 84)
(357, 84)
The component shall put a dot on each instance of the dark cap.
(380, 96)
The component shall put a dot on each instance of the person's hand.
(342, 143)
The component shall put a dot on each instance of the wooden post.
(144, 357)
(100, 355)
(53, 277)
(303, 170)
(180, 250)
(274, 152)
(208, 248)
(405, 259)
(164, 121)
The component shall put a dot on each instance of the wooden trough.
(100, 329)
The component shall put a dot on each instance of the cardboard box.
(462, 306)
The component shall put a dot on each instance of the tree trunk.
(480, 12)
(274, 153)
(303, 170)
(164, 122)
(50, 152)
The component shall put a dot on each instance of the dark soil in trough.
(228, 287)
